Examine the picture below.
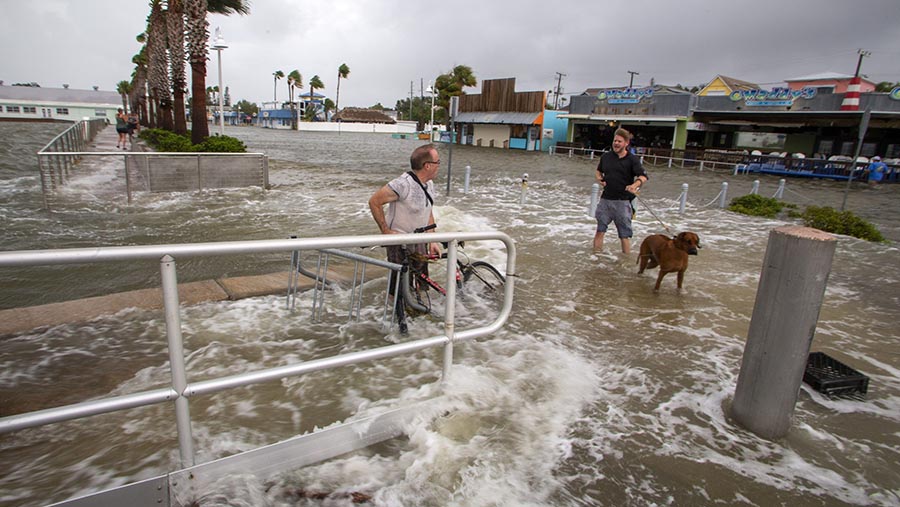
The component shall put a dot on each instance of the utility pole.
(559, 76)
(862, 54)
(631, 80)
(410, 99)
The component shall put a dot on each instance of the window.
(62, 110)
(29, 109)
(12, 109)
(100, 112)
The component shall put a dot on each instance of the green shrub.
(756, 205)
(174, 142)
(163, 140)
(840, 222)
(221, 144)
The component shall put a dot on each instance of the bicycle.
(415, 299)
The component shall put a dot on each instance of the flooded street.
(598, 391)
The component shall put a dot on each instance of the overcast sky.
(388, 43)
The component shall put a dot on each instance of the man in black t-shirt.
(621, 175)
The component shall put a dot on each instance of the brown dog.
(670, 254)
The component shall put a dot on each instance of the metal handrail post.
(450, 310)
(176, 359)
(127, 179)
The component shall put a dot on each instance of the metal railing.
(66, 149)
(739, 162)
(181, 390)
(162, 172)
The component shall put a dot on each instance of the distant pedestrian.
(621, 175)
(132, 126)
(122, 128)
(877, 171)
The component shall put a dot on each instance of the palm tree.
(278, 75)
(139, 83)
(452, 83)
(175, 25)
(159, 65)
(124, 88)
(294, 80)
(197, 37)
(343, 72)
(314, 83)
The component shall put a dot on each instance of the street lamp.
(432, 90)
(219, 45)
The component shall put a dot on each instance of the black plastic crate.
(832, 377)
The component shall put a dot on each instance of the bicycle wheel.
(485, 277)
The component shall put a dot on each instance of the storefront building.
(804, 120)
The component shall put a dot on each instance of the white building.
(60, 104)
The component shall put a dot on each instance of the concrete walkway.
(18, 320)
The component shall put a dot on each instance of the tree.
(452, 84)
(248, 108)
(885, 86)
(343, 72)
(295, 80)
(278, 75)
(139, 83)
(328, 106)
(197, 37)
(124, 89)
(314, 83)
(421, 110)
(378, 107)
(158, 67)
(175, 25)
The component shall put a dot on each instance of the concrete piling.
(791, 288)
(723, 195)
(755, 189)
(780, 192)
(683, 200)
(524, 188)
(466, 185)
(595, 197)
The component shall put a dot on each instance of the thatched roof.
(359, 115)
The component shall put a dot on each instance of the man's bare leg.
(598, 241)
(626, 245)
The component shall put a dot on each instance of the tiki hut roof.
(359, 115)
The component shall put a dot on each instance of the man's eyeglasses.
(434, 162)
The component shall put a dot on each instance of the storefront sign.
(895, 93)
(774, 97)
(625, 95)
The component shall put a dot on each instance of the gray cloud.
(388, 43)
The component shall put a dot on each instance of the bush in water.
(840, 222)
(756, 205)
(163, 140)
(222, 144)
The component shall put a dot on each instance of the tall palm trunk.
(175, 25)
(159, 66)
(197, 37)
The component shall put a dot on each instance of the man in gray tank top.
(409, 205)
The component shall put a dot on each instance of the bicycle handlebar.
(425, 229)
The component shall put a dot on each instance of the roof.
(61, 95)
(619, 118)
(736, 84)
(822, 76)
(359, 115)
(657, 89)
(500, 118)
(315, 95)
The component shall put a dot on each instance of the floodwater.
(598, 391)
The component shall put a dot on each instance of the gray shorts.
(614, 211)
